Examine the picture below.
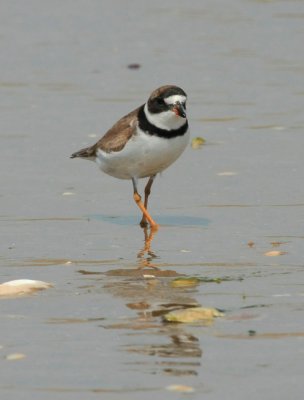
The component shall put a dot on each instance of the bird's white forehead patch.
(176, 98)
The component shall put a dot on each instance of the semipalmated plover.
(144, 142)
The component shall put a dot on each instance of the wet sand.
(231, 211)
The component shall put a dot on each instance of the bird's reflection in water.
(148, 291)
(146, 255)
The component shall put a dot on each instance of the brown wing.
(117, 137)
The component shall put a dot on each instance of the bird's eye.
(159, 101)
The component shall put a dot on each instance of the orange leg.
(146, 215)
(143, 221)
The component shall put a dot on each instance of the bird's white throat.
(167, 120)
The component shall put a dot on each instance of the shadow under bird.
(144, 142)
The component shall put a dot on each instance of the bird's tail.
(88, 152)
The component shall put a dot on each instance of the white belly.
(142, 156)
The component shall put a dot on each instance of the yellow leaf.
(197, 142)
(185, 282)
(193, 314)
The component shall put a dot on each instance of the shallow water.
(222, 208)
